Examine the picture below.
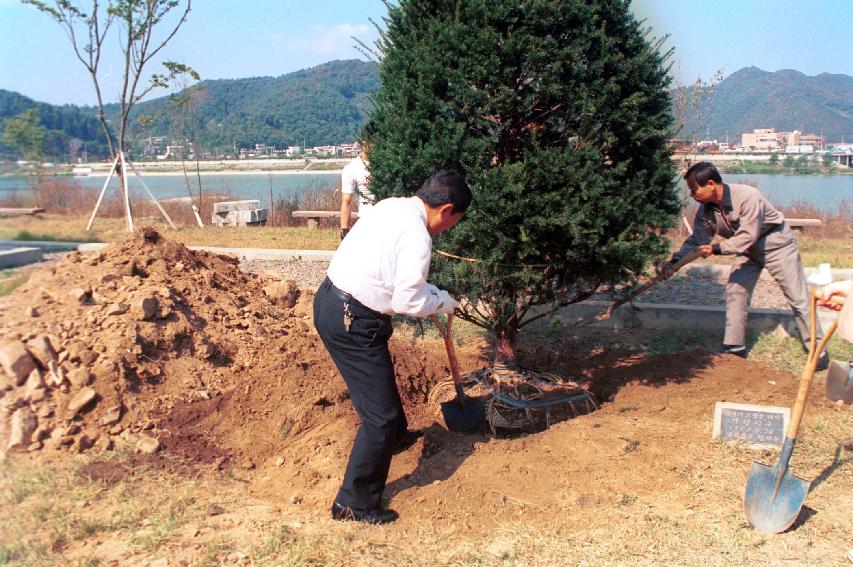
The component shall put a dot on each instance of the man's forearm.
(346, 203)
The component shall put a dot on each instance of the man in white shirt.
(355, 179)
(379, 270)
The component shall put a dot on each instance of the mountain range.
(328, 104)
(786, 100)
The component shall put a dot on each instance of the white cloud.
(328, 41)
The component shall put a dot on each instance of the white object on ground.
(823, 275)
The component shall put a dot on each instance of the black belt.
(347, 298)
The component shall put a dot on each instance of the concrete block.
(231, 206)
(240, 218)
(19, 257)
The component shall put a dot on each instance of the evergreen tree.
(25, 133)
(558, 114)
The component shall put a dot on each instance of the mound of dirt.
(150, 345)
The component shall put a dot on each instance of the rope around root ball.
(518, 385)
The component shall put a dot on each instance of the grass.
(11, 280)
(838, 252)
(73, 229)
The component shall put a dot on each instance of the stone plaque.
(757, 425)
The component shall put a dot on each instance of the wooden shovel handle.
(689, 257)
(809, 370)
(448, 344)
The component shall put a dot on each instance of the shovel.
(774, 495)
(839, 381)
(461, 413)
(607, 313)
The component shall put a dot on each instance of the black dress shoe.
(737, 350)
(822, 361)
(372, 516)
(407, 439)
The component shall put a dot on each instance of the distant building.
(816, 140)
(762, 140)
(799, 149)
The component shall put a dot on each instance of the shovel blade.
(769, 512)
(463, 414)
(839, 382)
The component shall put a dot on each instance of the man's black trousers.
(362, 357)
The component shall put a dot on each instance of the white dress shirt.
(355, 178)
(384, 260)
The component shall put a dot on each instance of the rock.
(88, 357)
(79, 377)
(99, 299)
(24, 423)
(45, 411)
(31, 312)
(104, 443)
(36, 396)
(34, 381)
(56, 375)
(147, 308)
(16, 361)
(84, 442)
(112, 416)
(147, 444)
(83, 398)
(279, 461)
(117, 309)
(80, 295)
(104, 371)
(303, 326)
(215, 510)
(164, 312)
(285, 293)
(42, 350)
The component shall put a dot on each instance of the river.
(824, 192)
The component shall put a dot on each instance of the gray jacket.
(745, 218)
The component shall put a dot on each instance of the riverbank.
(219, 167)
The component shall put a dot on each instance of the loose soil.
(223, 369)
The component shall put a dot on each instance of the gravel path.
(692, 289)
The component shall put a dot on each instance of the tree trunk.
(505, 346)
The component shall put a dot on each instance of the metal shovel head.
(839, 382)
(768, 512)
(463, 413)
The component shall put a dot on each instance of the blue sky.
(234, 39)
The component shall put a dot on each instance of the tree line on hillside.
(328, 104)
(66, 131)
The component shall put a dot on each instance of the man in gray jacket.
(756, 233)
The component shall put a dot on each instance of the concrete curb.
(663, 316)
(44, 245)
(723, 270)
(15, 257)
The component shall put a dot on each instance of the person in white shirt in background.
(355, 180)
(379, 270)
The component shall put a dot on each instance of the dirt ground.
(207, 373)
